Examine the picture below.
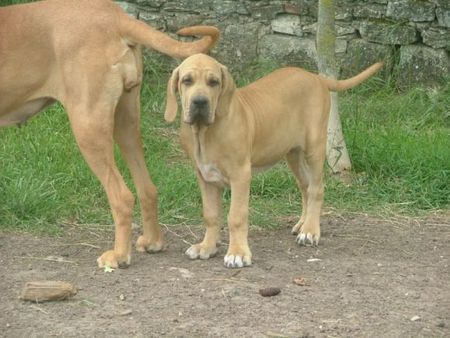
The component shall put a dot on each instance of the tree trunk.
(337, 154)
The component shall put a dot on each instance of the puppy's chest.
(206, 158)
(211, 173)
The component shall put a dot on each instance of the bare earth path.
(368, 278)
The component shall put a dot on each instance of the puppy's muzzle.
(199, 110)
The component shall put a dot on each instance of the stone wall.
(411, 36)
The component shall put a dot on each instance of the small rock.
(313, 260)
(126, 312)
(300, 281)
(122, 297)
(271, 334)
(185, 273)
(415, 318)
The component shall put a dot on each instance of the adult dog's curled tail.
(338, 85)
(138, 32)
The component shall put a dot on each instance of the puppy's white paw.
(199, 251)
(232, 261)
(308, 238)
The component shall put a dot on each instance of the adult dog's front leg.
(239, 254)
(212, 214)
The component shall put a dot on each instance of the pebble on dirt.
(300, 281)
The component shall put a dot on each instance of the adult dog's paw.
(113, 260)
(144, 244)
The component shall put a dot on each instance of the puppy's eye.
(213, 82)
(187, 81)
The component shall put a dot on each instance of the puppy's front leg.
(212, 216)
(239, 253)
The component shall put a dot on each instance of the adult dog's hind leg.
(127, 134)
(93, 130)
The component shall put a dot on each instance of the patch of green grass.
(13, 2)
(43, 178)
(399, 144)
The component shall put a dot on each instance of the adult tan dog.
(229, 132)
(86, 54)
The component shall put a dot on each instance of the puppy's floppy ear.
(227, 91)
(171, 97)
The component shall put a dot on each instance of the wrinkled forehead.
(199, 64)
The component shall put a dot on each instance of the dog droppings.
(269, 292)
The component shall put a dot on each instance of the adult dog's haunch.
(229, 132)
(86, 54)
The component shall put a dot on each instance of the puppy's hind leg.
(295, 159)
(312, 167)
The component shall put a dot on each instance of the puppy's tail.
(138, 32)
(338, 85)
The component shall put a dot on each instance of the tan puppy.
(229, 133)
(86, 54)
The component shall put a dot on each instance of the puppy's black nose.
(199, 110)
(200, 101)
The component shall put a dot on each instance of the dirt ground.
(369, 277)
